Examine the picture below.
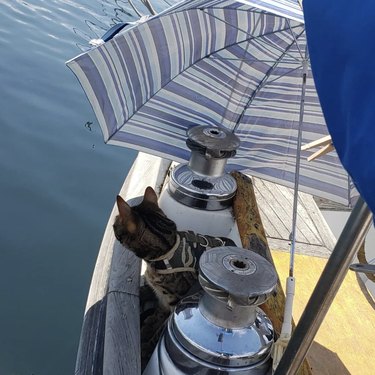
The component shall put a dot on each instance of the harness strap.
(186, 252)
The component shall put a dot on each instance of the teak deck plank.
(313, 233)
(122, 327)
(91, 344)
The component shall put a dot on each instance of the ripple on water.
(57, 179)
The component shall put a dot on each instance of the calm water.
(57, 180)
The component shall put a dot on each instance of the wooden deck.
(344, 344)
(275, 202)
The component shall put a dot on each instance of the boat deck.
(345, 341)
(343, 344)
(275, 202)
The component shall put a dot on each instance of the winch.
(220, 330)
(203, 184)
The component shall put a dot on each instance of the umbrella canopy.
(242, 65)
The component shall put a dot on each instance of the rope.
(362, 259)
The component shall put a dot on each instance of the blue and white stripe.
(202, 63)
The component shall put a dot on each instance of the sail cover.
(345, 82)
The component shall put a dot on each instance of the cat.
(172, 260)
(172, 256)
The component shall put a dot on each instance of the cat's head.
(144, 228)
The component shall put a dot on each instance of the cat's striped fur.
(148, 232)
(172, 257)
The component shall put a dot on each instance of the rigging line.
(262, 84)
(349, 189)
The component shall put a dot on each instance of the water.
(57, 179)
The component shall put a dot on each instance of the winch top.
(213, 141)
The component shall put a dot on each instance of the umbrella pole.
(297, 171)
(286, 329)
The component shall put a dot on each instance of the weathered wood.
(109, 335)
(362, 259)
(326, 204)
(122, 327)
(91, 344)
(273, 208)
(125, 270)
(275, 203)
(122, 330)
(122, 335)
(324, 150)
(253, 237)
(324, 141)
(305, 227)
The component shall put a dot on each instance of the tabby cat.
(172, 256)
(172, 260)
(148, 232)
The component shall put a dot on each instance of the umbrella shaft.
(297, 170)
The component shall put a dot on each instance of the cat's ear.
(150, 195)
(124, 209)
(126, 215)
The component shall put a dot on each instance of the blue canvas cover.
(341, 39)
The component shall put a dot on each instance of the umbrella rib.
(203, 57)
(262, 84)
(255, 37)
(295, 40)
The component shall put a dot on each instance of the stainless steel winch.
(202, 187)
(220, 330)
(203, 183)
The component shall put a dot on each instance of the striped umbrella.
(242, 65)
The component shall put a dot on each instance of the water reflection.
(114, 12)
(58, 180)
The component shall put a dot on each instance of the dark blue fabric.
(341, 39)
